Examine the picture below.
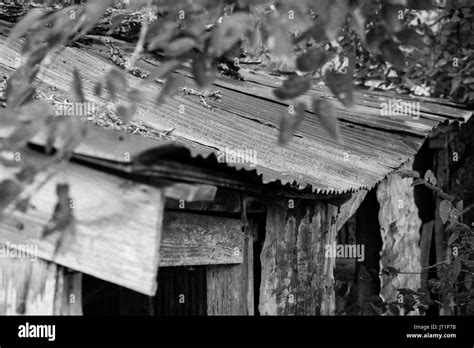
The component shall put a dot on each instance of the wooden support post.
(400, 230)
(230, 288)
(38, 287)
(297, 278)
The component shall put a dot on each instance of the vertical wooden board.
(400, 230)
(116, 231)
(69, 293)
(278, 262)
(297, 277)
(328, 302)
(230, 288)
(37, 287)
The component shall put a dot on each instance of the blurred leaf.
(31, 117)
(394, 308)
(173, 82)
(326, 113)
(178, 47)
(455, 270)
(312, 60)
(25, 24)
(434, 285)
(165, 68)
(98, 89)
(293, 87)
(341, 85)
(27, 174)
(376, 309)
(391, 53)
(115, 82)
(9, 190)
(375, 37)
(77, 93)
(227, 33)
(358, 23)
(445, 210)
(336, 15)
(468, 281)
(135, 96)
(161, 33)
(317, 32)
(454, 237)
(390, 15)
(126, 112)
(115, 22)
(204, 70)
(290, 123)
(19, 89)
(62, 216)
(410, 37)
(94, 9)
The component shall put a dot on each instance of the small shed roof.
(247, 117)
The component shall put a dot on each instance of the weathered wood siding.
(230, 288)
(194, 239)
(37, 287)
(297, 278)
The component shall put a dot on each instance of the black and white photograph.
(164, 162)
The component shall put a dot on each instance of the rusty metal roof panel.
(247, 118)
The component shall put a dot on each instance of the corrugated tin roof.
(247, 118)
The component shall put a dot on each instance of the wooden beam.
(230, 288)
(37, 287)
(400, 230)
(297, 277)
(115, 233)
(225, 201)
(190, 192)
(194, 239)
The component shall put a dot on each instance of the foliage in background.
(453, 287)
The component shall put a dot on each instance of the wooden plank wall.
(297, 278)
(37, 287)
(195, 239)
(230, 288)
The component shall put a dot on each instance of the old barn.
(196, 209)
